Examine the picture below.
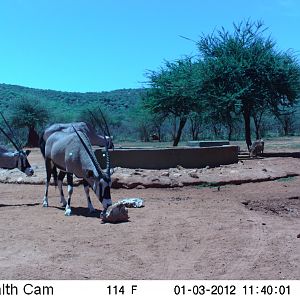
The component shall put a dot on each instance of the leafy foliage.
(68, 107)
(28, 113)
(174, 91)
(243, 73)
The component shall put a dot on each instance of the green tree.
(244, 73)
(173, 92)
(196, 120)
(146, 122)
(287, 120)
(29, 113)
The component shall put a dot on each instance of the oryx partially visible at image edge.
(14, 159)
(72, 153)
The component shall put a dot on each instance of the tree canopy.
(174, 91)
(239, 73)
(29, 113)
(244, 73)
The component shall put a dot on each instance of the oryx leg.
(61, 177)
(54, 173)
(68, 210)
(48, 165)
(87, 193)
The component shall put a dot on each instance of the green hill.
(67, 105)
(63, 107)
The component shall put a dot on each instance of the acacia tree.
(196, 122)
(286, 118)
(30, 113)
(173, 92)
(243, 73)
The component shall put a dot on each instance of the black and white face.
(23, 163)
(101, 186)
(103, 191)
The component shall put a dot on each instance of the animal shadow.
(19, 205)
(83, 212)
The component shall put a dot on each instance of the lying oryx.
(14, 159)
(88, 129)
(72, 154)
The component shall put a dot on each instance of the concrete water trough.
(207, 143)
(165, 158)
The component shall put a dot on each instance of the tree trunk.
(246, 115)
(182, 122)
(215, 131)
(257, 132)
(257, 121)
(229, 132)
(195, 127)
(33, 137)
(158, 131)
(174, 129)
(195, 135)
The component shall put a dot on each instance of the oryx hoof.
(45, 202)
(68, 212)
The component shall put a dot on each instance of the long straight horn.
(98, 123)
(108, 174)
(92, 157)
(16, 143)
(105, 123)
(106, 132)
(8, 137)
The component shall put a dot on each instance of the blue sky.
(102, 45)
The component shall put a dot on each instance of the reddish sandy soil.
(246, 231)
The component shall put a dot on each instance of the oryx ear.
(89, 173)
(27, 152)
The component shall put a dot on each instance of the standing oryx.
(71, 153)
(14, 159)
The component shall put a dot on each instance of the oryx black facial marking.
(23, 163)
(12, 160)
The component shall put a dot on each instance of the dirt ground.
(231, 231)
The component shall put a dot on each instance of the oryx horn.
(92, 157)
(105, 132)
(105, 123)
(106, 147)
(8, 137)
(15, 143)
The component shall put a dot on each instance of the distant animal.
(154, 137)
(88, 129)
(14, 159)
(257, 148)
(71, 152)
